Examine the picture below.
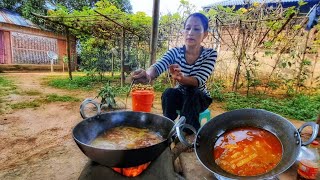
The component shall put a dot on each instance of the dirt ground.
(37, 143)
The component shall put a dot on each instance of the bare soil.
(37, 143)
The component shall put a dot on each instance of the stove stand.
(159, 169)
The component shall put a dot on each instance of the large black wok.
(88, 129)
(279, 126)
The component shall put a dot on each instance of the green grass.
(6, 86)
(57, 98)
(300, 107)
(43, 100)
(26, 104)
(79, 82)
(31, 93)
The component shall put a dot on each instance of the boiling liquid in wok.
(124, 137)
(247, 151)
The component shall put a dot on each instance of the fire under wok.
(88, 129)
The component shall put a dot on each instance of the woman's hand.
(141, 76)
(175, 72)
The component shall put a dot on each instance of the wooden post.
(69, 53)
(154, 31)
(122, 56)
(51, 64)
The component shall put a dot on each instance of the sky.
(166, 5)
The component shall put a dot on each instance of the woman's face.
(193, 32)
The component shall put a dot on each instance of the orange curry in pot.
(247, 151)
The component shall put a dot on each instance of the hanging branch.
(282, 27)
(109, 19)
(285, 46)
(60, 23)
(228, 32)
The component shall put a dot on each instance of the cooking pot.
(286, 132)
(88, 129)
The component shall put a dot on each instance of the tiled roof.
(10, 17)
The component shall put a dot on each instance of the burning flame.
(132, 171)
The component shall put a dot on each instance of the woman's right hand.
(141, 76)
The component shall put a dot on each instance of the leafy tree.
(71, 4)
(98, 34)
(25, 7)
(123, 5)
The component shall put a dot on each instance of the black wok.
(88, 129)
(279, 126)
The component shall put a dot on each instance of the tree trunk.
(69, 53)
(240, 57)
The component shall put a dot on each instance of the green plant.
(300, 107)
(216, 90)
(272, 85)
(108, 94)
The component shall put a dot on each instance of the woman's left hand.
(175, 72)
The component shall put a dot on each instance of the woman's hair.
(203, 18)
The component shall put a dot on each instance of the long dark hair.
(202, 17)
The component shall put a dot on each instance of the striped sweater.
(201, 69)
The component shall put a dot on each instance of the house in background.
(270, 3)
(23, 43)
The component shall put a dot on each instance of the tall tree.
(123, 5)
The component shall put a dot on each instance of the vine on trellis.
(279, 34)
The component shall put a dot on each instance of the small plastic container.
(309, 161)
(142, 100)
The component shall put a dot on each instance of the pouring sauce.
(125, 137)
(247, 151)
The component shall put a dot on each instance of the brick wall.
(61, 45)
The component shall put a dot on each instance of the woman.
(191, 66)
